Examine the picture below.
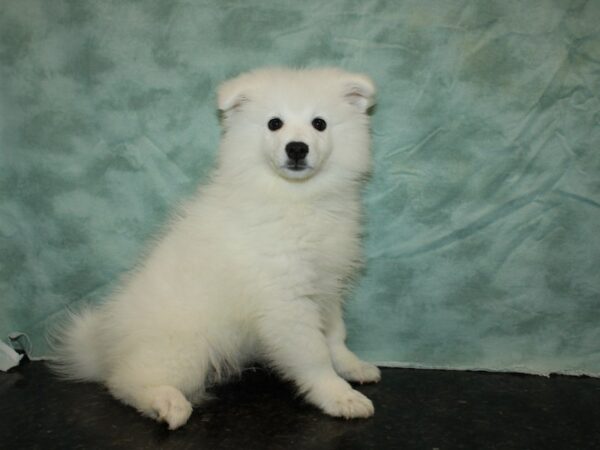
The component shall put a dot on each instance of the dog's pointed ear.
(359, 91)
(231, 95)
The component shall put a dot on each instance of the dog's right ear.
(231, 95)
(359, 91)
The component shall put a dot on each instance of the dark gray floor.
(420, 409)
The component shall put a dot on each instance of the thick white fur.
(254, 267)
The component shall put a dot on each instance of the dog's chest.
(314, 237)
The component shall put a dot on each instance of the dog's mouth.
(296, 166)
(296, 170)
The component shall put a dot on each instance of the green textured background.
(483, 239)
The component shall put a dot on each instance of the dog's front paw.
(350, 404)
(337, 398)
(170, 406)
(360, 372)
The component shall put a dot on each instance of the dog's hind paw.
(170, 406)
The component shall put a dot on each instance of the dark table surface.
(420, 409)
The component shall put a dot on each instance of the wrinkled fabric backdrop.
(483, 212)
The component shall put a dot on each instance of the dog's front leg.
(295, 345)
(346, 363)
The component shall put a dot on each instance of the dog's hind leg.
(163, 403)
(161, 387)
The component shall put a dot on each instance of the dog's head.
(297, 123)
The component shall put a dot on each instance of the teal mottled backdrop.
(483, 232)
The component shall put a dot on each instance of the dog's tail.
(75, 342)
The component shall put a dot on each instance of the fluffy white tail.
(77, 348)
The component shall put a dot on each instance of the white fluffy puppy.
(254, 267)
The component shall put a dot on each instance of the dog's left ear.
(359, 91)
(231, 95)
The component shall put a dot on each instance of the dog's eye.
(275, 124)
(319, 124)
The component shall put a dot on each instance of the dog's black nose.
(296, 151)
